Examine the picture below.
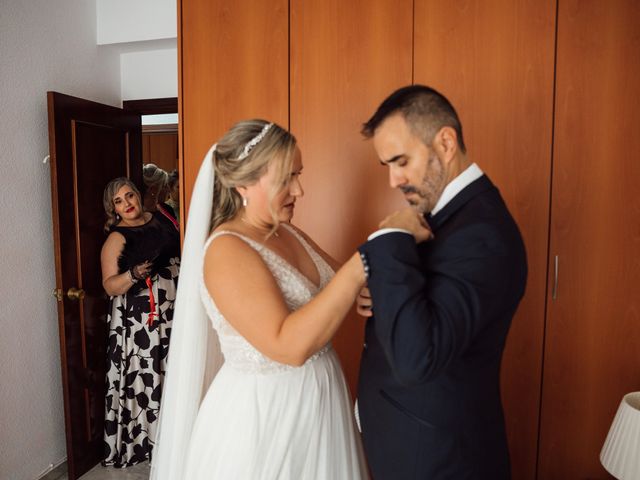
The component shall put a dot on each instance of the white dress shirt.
(455, 186)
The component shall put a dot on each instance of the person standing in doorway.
(140, 264)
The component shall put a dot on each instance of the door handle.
(75, 293)
(554, 295)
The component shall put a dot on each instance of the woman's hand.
(411, 220)
(364, 303)
(141, 271)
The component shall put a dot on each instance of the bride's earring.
(245, 201)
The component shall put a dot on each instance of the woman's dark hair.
(425, 110)
(173, 178)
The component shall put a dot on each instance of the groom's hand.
(364, 303)
(411, 220)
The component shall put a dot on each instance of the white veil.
(188, 364)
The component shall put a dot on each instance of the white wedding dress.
(263, 420)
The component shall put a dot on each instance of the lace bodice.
(296, 289)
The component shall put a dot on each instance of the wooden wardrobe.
(548, 93)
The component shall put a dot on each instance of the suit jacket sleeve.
(425, 316)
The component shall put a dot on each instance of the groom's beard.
(432, 186)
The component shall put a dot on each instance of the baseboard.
(54, 471)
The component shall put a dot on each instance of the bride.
(278, 406)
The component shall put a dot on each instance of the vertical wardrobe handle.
(554, 295)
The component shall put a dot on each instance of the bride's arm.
(250, 300)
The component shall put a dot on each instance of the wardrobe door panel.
(593, 325)
(494, 61)
(234, 60)
(346, 57)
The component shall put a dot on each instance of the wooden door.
(346, 57)
(89, 144)
(593, 324)
(494, 61)
(160, 149)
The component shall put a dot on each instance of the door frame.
(158, 106)
(152, 106)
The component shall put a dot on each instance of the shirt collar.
(455, 186)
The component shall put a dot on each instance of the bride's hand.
(364, 303)
(411, 220)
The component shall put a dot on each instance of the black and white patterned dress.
(138, 347)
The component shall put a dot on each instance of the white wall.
(145, 33)
(149, 74)
(135, 20)
(44, 46)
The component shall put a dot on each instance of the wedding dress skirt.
(262, 420)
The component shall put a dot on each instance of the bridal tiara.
(254, 141)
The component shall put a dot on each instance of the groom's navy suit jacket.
(429, 386)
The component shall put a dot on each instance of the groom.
(445, 279)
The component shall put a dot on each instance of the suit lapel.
(472, 190)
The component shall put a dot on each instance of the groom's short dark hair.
(425, 110)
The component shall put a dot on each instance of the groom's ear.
(445, 143)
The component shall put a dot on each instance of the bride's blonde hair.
(234, 169)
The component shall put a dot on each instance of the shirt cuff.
(384, 231)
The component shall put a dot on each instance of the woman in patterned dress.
(140, 261)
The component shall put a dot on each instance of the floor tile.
(137, 472)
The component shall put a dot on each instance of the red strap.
(169, 216)
(152, 302)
